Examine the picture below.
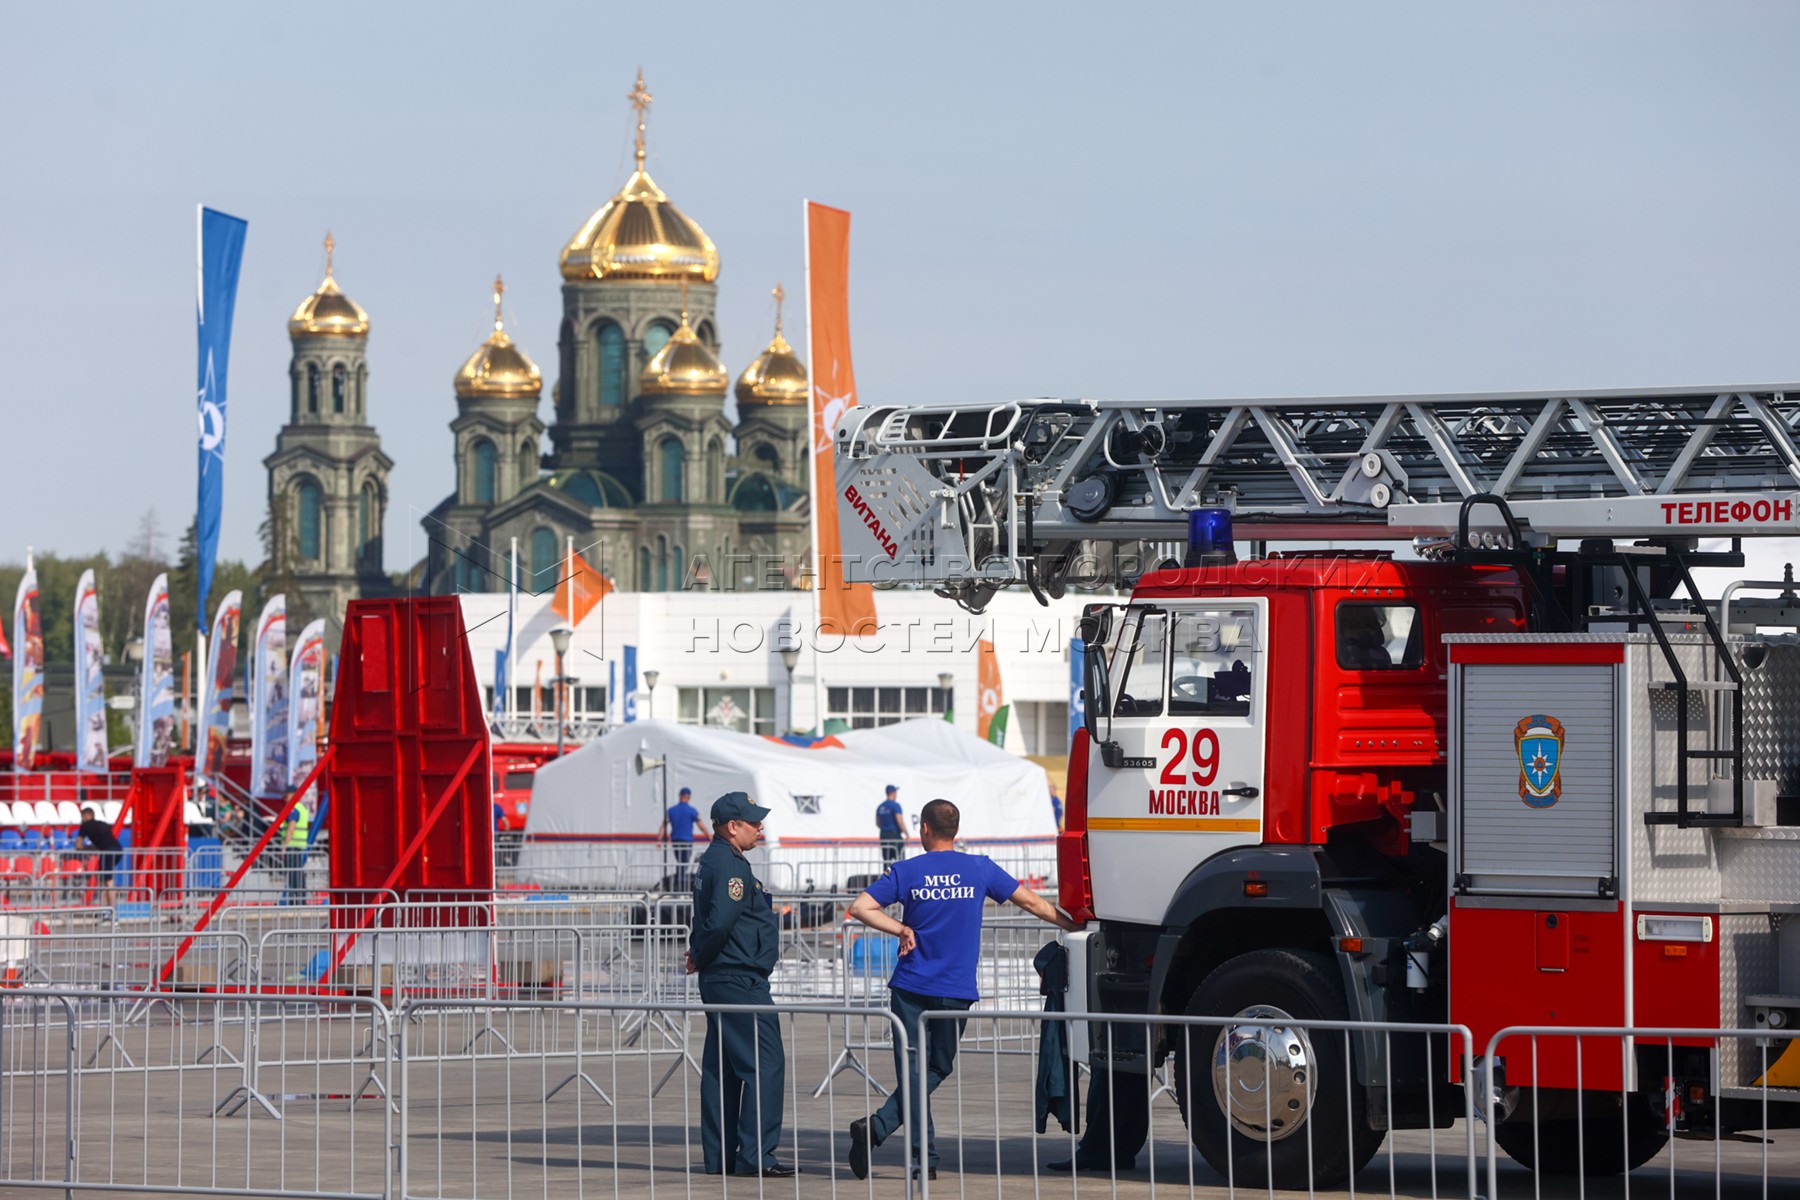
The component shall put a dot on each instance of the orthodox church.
(655, 486)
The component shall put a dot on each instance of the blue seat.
(10, 839)
(62, 839)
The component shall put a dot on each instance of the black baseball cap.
(737, 806)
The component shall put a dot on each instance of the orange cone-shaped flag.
(581, 588)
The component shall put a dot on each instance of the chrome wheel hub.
(1263, 1075)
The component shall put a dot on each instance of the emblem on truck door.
(1539, 741)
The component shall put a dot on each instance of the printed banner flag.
(844, 608)
(90, 690)
(306, 705)
(631, 676)
(580, 588)
(156, 688)
(28, 673)
(1077, 711)
(988, 690)
(220, 253)
(221, 670)
(269, 703)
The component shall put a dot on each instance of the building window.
(543, 560)
(612, 366)
(312, 387)
(769, 456)
(586, 701)
(870, 707)
(365, 521)
(362, 389)
(746, 710)
(655, 338)
(715, 472)
(643, 568)
(671, 461)
(486, 463)
(662, 564)
(311, 515)
(337, 388)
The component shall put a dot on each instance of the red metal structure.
(410, 780)
(156, 809)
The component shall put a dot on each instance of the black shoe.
(930, 1173)
(779, 1171)
(860, 1145)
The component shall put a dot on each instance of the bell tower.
(328, 476)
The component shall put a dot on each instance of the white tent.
(594, 816)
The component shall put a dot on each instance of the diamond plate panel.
(1669, 865)
(1747, 966)
(1772, 719)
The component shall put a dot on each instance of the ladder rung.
(1718, 754)
(1696, 685)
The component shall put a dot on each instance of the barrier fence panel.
(567, 1113)
(291, 1111)
(1689, 1111)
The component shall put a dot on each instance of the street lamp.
(559, 641)
(650, 678)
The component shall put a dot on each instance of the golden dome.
(328, 312)
(638, 234)
(684, 365)
(777, 376)
(499, 368)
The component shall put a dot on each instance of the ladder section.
(972, 497)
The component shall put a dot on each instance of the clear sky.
(1110, 200)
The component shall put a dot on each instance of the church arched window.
(543, 561)
(312, 387)
(528, 463)
(643, 568)
(768, 456)
(707, 334)
(715, 471)
(677, 568)
(310, 519)
(484, 464)
(655, 338)
(337, 388)
(362, 390)
(366, 532)
(662, 564)
(671, 463)
(612, 365)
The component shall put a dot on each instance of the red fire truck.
(1524, 775)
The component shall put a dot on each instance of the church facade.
(646, 474)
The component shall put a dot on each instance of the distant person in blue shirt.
(890, 819)
(678, 825)
(943, 893)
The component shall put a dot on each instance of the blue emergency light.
(1209, 538)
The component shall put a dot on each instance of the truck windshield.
(1138, 675)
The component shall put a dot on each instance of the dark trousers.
(1118, 1113)
(296, 868)
(684, 853)
(742, 1074)
(940, 1038)
(893, 848)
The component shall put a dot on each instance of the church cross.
(640, 100)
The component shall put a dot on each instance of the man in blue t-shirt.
(943, 893)
(890, 819)
(678, 825)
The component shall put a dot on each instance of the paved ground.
(478, 1124)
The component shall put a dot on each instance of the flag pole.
(812, 458)
(512, 641)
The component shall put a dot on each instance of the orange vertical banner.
(988, 692)
(844, 608)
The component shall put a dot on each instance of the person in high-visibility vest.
(294, 838)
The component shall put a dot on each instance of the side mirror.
(1096, 696)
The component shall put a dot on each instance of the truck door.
(1183, 778)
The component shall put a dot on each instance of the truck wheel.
(1267, 1105)
(1604, 1145)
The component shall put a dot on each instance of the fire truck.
(1517, 771)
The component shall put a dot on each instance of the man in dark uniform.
(890, 820)
(735, 942)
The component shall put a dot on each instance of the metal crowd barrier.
(480, 1097)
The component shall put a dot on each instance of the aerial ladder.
(971, 498)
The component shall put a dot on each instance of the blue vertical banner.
(500, 684)
(220, 254)
(630, 683)
(1077, 714)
